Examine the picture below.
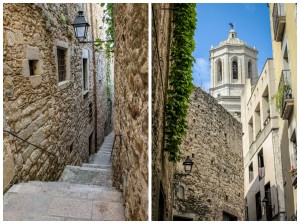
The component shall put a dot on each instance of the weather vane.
(232, 26)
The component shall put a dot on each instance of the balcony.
(278, 21)
(287, 100)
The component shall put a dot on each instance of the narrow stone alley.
(82, 193)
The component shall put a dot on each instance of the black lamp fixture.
(188, 165)
(80, 26)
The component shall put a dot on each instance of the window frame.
(61, 63)
(62, 45)
(235, 72)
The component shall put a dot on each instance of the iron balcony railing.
(278, 21)
(285, 83)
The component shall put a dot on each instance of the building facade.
(55, 103)
(213, 190)
(263, 173)
(231, 63)
(130, 160)
(162, 169)
(283, 18)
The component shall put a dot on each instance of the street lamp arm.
(91, 42)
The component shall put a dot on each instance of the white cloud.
(201, 73)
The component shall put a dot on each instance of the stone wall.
(130, 163)
(50, 114)
(214, 143)
(162, 169)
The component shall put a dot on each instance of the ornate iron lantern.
(188, 165)
(80, 26)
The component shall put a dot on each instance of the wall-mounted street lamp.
(188, 165)
(80, 26)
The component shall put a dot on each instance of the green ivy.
(180, 78)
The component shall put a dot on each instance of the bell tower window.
(249, 70)
(234, 70)
(219, 70)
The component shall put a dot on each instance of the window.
(261, 165)
(258, 206)
(61, 64)
(32, 67)
(249, 70)
(250, 172)
(269, 202)
(294, 150)
(234, 70)
(71, 148)
(219, 70)
(229, 217)
(180, 192)
(84, 74)
(90, 112)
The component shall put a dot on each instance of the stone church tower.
(231, 63)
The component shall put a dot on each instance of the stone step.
(96, 166)
(101, 159)
(87, 175)
(62, 201)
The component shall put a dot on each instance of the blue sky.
(252, 24)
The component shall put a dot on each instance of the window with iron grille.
(61, 63)
(32, 67)
(90, 112)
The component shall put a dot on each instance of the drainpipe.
(94, 75)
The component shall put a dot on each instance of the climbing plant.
(180, 78)
(108, 20)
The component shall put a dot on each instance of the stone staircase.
(82, 194)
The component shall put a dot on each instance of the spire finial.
(232, 25)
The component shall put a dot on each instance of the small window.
(61, 63)
(250, 172)
(180, 192)
(71, 148)
(85, 74)
(234, 70)
(32, 67)
(90, 112)
(229, 217)
(261, 165)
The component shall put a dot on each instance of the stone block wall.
(130, 163)
(55, 116)
(214, 143)
(162, 169)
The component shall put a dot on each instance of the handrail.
(13, 134)
(113, 147)
(119, 173)
(15, 179)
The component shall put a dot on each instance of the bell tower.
(231, 63)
